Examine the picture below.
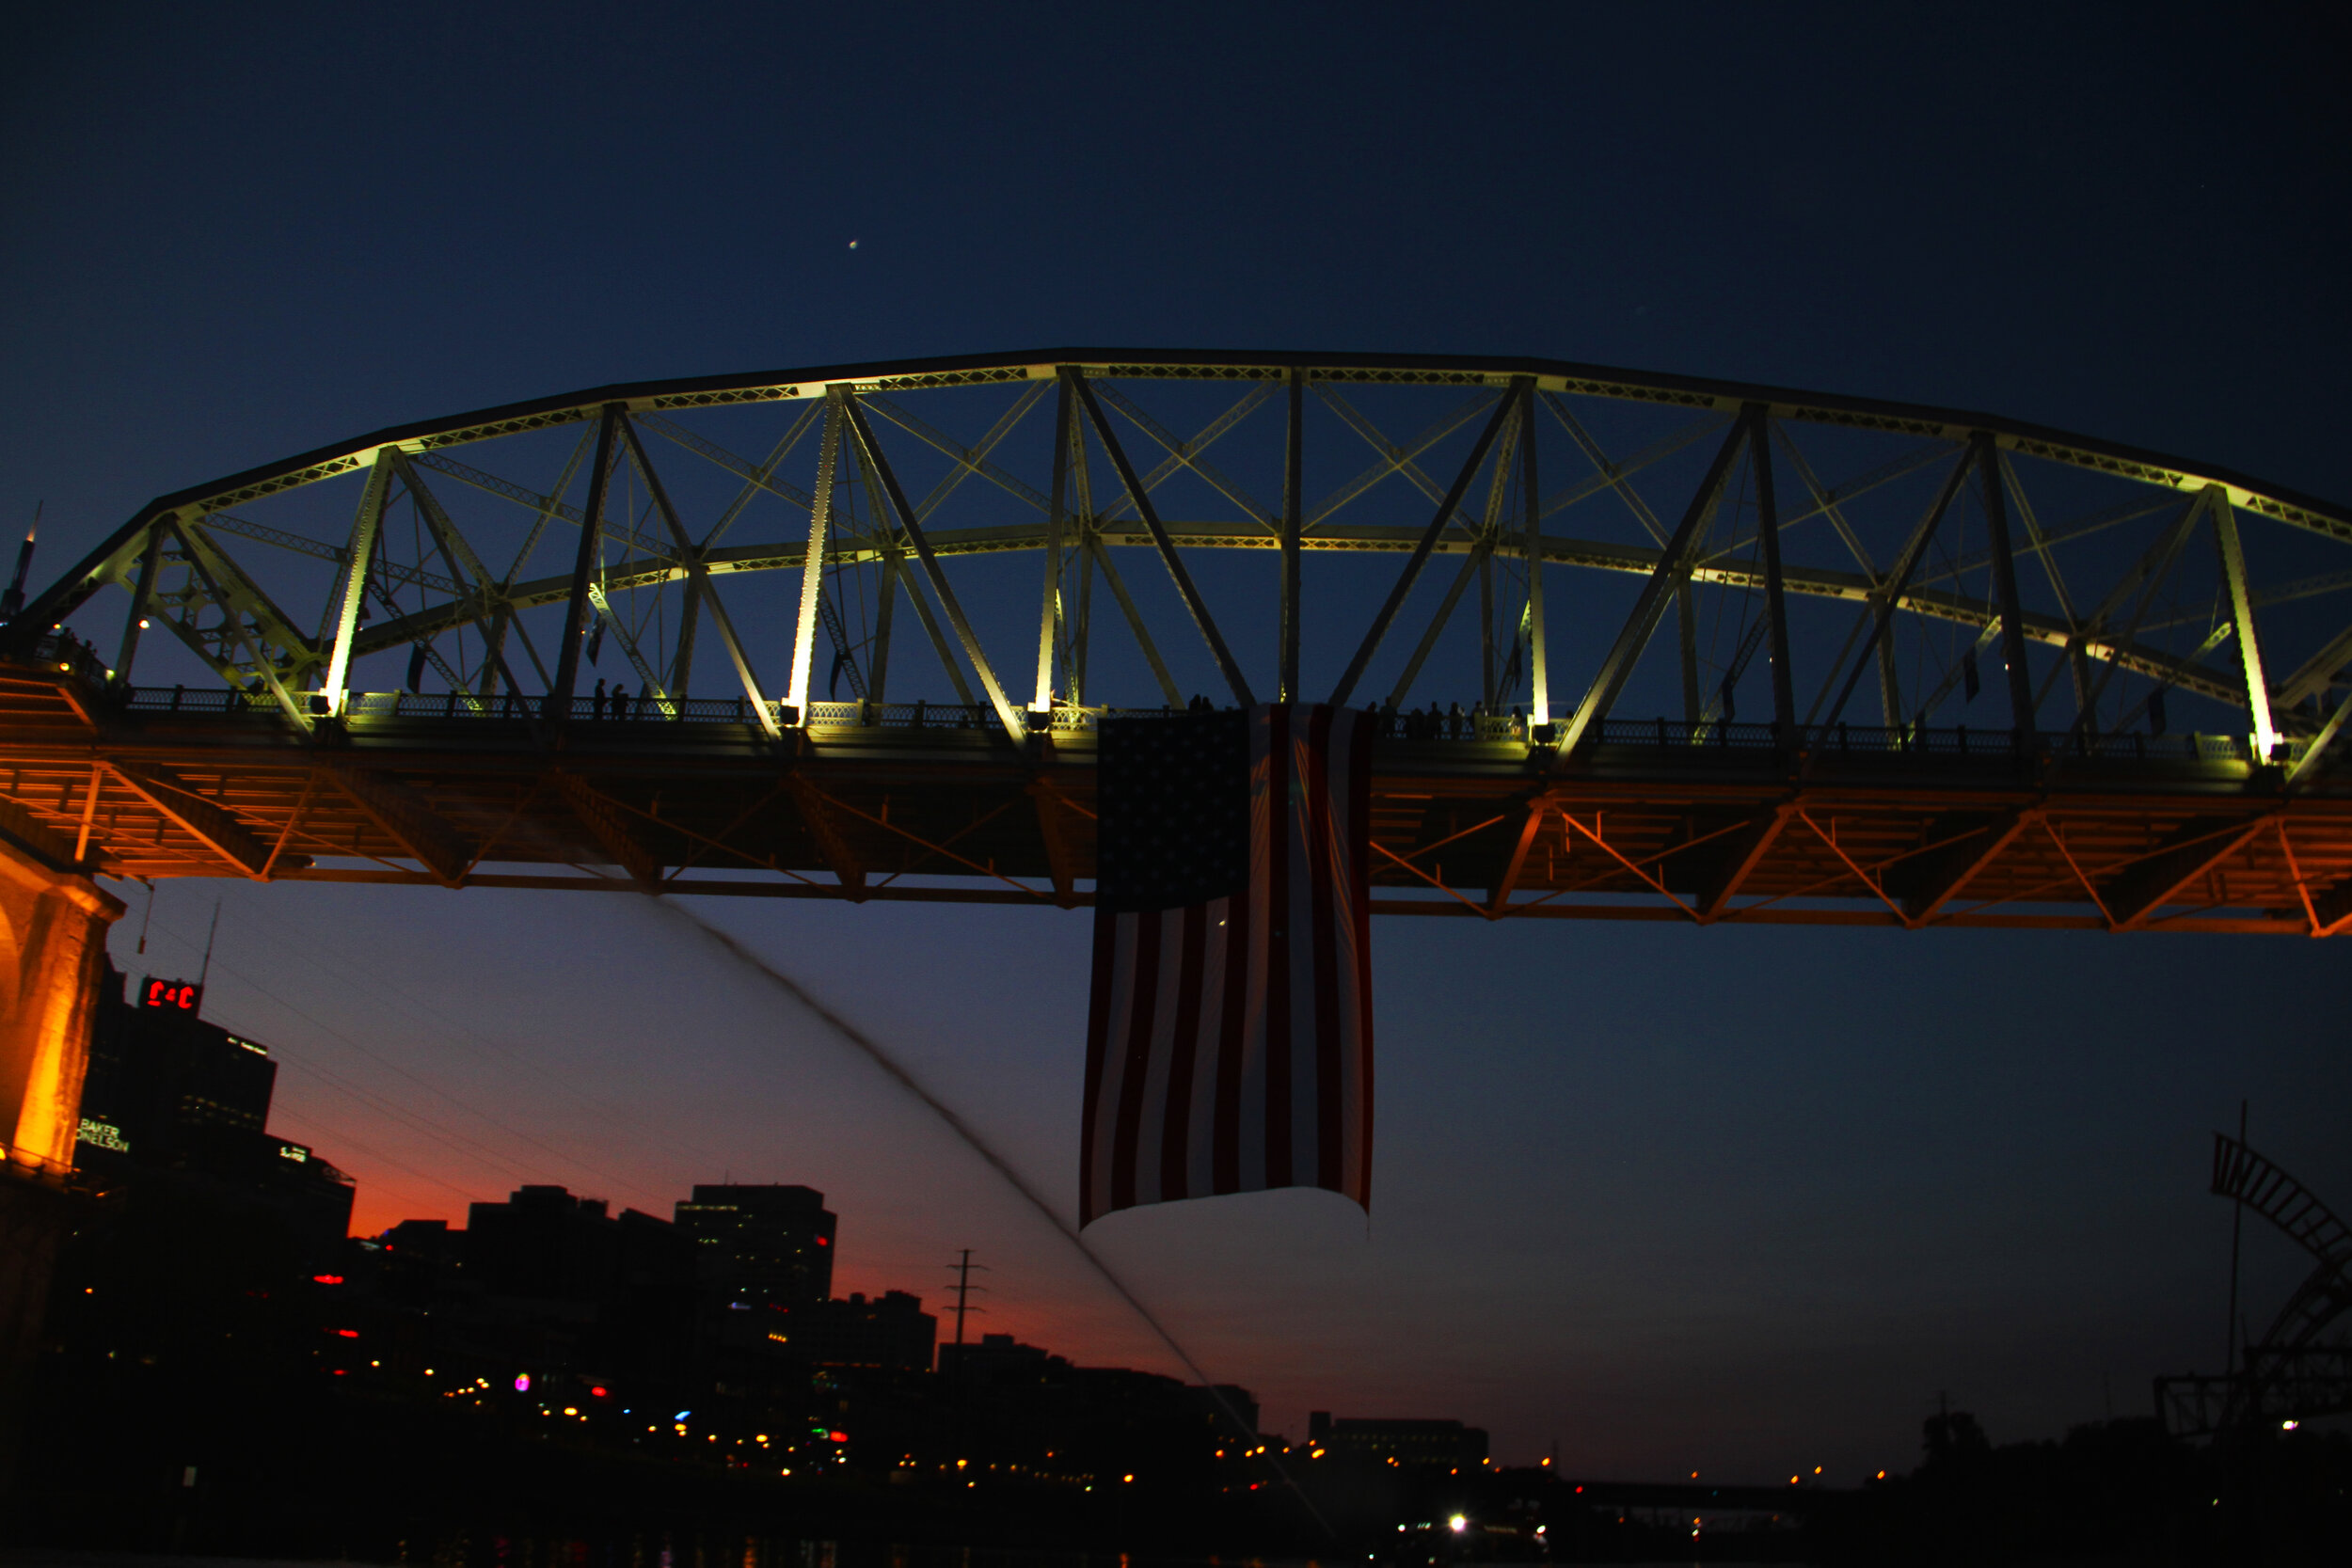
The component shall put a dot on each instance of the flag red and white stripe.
(1229, 1044)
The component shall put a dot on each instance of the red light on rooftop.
(597, 1393)
(824, 1240)
(838, 1436)
(326, 1280)
(348, 1332)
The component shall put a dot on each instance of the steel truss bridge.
(2301, 1366)
(1647, 647)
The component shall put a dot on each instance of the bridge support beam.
(53, 927)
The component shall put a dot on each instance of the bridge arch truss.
(1650, 647)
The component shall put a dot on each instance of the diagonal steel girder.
(1141, 499)
(937, 577)
(1617, 665)
(700, 575)
(1428, 541)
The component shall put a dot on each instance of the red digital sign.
(180, 995)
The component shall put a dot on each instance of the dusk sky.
(1733, 1200)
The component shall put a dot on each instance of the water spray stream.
(899, 1074)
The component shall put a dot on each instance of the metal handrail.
(1427, 726)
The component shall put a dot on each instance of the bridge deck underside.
(1678, 833)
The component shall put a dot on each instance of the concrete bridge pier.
(53, 942)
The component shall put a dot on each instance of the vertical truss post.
(1890, 689)
(813, 567)
(1686, 642)
(357, 560)
(1295, 453)
(2242, 612)
(1049, 612)
(885, 612)
(1618, 666)
(1141, 498)
(1081, 496)
(1487, 696)
(1419, 557)
(141, 594)
(1531, 551)
(2005, 586)
(895, 498)
(1775, 597)
(558, 707)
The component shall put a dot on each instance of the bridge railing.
(1953, 741)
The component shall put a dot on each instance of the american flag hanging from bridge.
(1229, 1039)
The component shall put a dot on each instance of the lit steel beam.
(2242, 616)
(813, 563)
(700, 575)
(142, 594)
(1515, 864)
(2320, 742)
(1618, 666)
(1532, 553)
(1746, 853)
(1490, 530)
(2156, 880)
(1141, 499)
(940, 648)
(557, 708)
(1049, 610)
(2319, 673)
(234, 609)
(1006, 713)
(464, 565)
(214, 826)
(1419, 557)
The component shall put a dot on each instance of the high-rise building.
(158, 1072)
(171, 1098)
(758, 1246)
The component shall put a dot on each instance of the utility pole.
(964, 1267)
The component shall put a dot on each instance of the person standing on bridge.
(598, 700)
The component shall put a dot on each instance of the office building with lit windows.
(759, 1246)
